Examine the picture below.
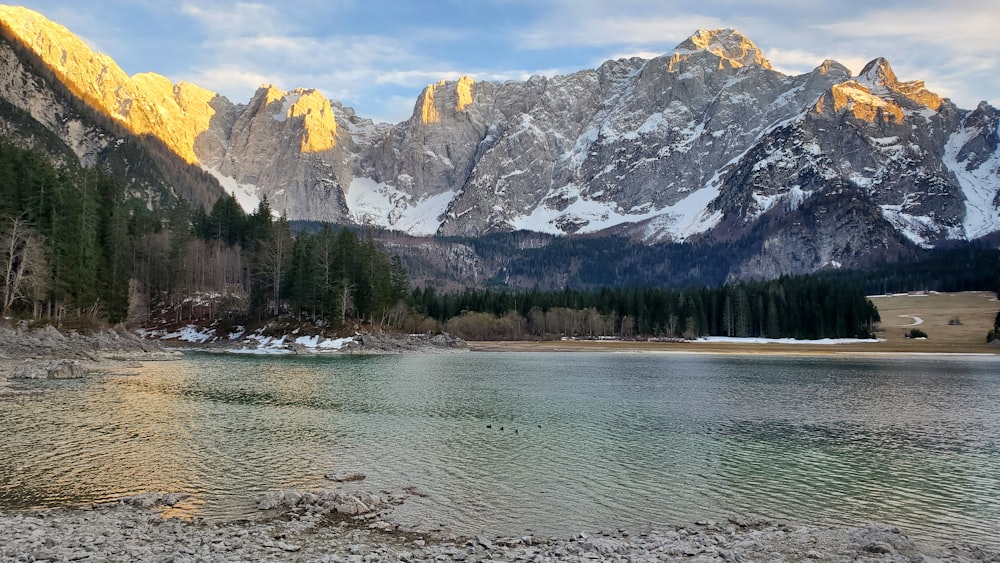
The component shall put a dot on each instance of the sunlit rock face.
(707, 142)
(52, 120)
(292, 148)
(22, 89)
(146, 103)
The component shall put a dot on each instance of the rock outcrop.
(48, 343)
(47, 353)
(366, 343)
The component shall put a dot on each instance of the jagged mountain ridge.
(706, 143)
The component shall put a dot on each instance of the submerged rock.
(345, 477)
(147, 500)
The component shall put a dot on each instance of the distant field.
(976, 312)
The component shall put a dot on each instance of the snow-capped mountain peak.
(728, 44)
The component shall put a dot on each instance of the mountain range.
(706, 145)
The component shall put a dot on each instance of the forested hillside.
(75, 247)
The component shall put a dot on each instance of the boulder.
(345, 477)
(48, 369)
(147, 500)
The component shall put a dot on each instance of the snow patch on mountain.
(287, 103)
(583, 215)
(686, 218)
(374, 203)
(914, 227)
(792, 198)
(247, 195)
(981, 186)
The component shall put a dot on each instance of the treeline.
(975, 267)
(75, 245)
(789, 307)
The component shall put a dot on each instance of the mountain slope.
(707, 144)
(41, 112)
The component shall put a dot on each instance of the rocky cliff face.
(290, 147)
(706, 143)
(698, 144)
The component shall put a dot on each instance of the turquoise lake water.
(504, 443)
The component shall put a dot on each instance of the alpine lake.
(552, 443)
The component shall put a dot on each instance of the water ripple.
(555, 443)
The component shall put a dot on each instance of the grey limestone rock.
(48, 369)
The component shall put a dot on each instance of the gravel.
(306, 526)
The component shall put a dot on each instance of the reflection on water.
(555, 443)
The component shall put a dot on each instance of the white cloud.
(599, 30)
(967, 30)
(799, 61)
(233, 46)
(235, 19)
(642, 54)
(234, 82)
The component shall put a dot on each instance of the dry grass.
(975, 310)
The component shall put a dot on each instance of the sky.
(377, 55)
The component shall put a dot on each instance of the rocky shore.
(46, 353)
(394, 344)
(293, 343)
(352, 527)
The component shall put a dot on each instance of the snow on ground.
(252, 343)
(917, 321)
(821, 341)
(189, 333)
(266, 345)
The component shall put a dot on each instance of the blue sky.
(377, 55)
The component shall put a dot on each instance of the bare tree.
(24, 268)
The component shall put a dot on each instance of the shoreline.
(132, 529)
(805, 348)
